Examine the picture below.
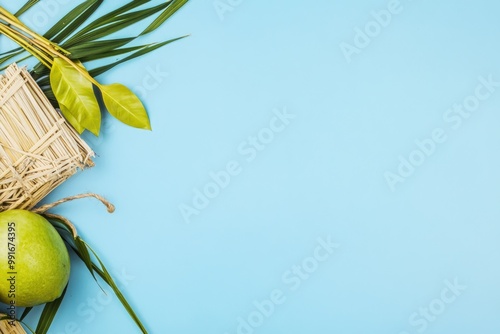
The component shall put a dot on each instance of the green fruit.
(34, 261)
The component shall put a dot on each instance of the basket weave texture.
(6, 328)
(38, 149)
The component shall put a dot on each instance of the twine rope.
(44, 208)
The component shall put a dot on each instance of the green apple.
(34, 261)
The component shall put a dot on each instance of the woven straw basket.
(38, 149)
(5, 328)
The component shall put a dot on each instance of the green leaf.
(113, 21)
(48, 314)
(72, 21)
(124, 105)
(10, 56)
(165, 15)
(84, 254)
(71, 118)
(67, 25)
(75, 95)
(26, 6)
(119, 23)
(100, 48)
(113, 53)
(103, 272)
(28, 327)
(84, 251)
(25, 313)
(104, 20)
(81, 248)
(11, 51)
(146, 49)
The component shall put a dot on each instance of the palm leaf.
(84, 251)
(113, 53)
(71, 21)
(11, 55)
(103, 26)
(44, 83)
(25, 313)
(26, 6)
(48, 314)
(11, 51)
(106, 19)
(120, 22)
(67, 25)
(148, 48)
(103, 272)
(97, 48)
(167, 13)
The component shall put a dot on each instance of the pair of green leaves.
(74, 90)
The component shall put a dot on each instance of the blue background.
(323, 176)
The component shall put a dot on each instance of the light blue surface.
(322, 175)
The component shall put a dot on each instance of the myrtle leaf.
(125, 106)
(71, 118)
(75, 95)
